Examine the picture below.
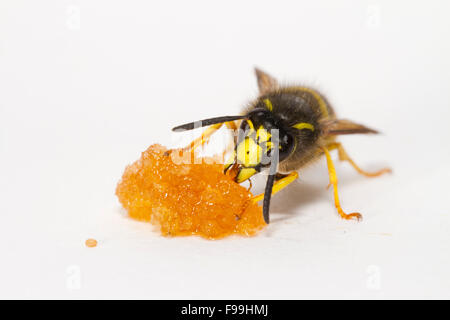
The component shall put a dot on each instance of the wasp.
(284, 129)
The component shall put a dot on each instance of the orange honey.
(91, 243)
(187, 199)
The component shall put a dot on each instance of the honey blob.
(187, 199)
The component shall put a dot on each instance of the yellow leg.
(278, 185)
(204, 138)
(231, 125)
(334, 182)
(343, 156)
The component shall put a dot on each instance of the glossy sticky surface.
(187, 199)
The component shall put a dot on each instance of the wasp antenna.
(269, 184)
(206, 122)
(267, 196)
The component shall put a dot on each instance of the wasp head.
(261, 140)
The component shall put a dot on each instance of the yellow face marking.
(304, 125)
(262, 135)
(244, 174)
(249, 153)
(268, 104)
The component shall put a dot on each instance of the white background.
(86, 85)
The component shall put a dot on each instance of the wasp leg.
(343, 156)
(231, 125)
(334, 182)
(282, 182)
(203, 138)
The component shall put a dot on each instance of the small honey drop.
(91, 243)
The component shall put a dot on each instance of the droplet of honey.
(91, 243)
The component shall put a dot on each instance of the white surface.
(85, 86)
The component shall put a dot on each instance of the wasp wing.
(343, 126)
(266, 82)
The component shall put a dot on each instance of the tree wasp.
(284, 129)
